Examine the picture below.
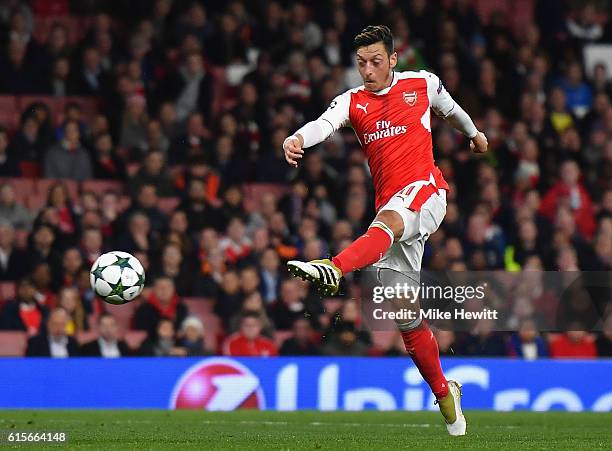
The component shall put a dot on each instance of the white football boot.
(450, 406)
(322, 273)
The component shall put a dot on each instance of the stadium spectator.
(191, 337)
(138, 236)
(42, 248)
(161, 341)
(344, 341)
(92, 245)
(604, 339)
(68, 159)
(527, 343)
(248, 341)
(301, 342)
(288, 307)
(106, 163)
(163, 302)
(8, 163)
(92, 79)
(236, 245)
(154, 173)
(69, 299)
(570, 192)
(72, 262)
(195, 116)
(23, 312)
(133, 136)
(174, 266)
(59, 200)
(108, 344)
(178, 227)
(147, 201)
(190, 87)
(573, 344)
(483, 340)
(229, 297)
(13, 264)
(42, 280)
(269, 275)
(53, 342)
(253, 304)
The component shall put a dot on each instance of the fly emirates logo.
(384, 129)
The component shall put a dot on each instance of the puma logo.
(363, 107)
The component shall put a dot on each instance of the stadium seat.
(199, 304)
(254, 191)
(43, 25)
(25, 101)
(7, 290)
(13, 343)
(9, 115)
(44, 185)
(23, 188)
(30, 169)
(202, 310)
(134, 338)
(50, 7)
(100, 186)
(123, 313)
(89, 106)
(384, 339)
(36, 201)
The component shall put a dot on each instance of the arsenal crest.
(410, 97)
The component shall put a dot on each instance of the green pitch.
(178, 430)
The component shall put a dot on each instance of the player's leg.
(387, 228)
(404, 262)
(422, 347)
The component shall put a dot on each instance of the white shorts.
(422, 207)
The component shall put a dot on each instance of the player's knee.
(393, 221)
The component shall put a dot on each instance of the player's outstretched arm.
(315, 132)
(444, 105)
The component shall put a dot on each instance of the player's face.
(375, 65)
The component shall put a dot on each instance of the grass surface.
(178, 430)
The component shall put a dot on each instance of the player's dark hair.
(373, 34)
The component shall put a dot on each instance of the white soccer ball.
(117, 277)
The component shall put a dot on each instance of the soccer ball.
(117, 277)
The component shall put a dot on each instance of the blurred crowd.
(191, 101)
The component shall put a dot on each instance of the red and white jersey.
(393, 127)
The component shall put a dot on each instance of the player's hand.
(479, 143)
(293, 150)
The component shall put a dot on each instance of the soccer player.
(390, 114)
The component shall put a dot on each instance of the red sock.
(365, 250)
(423, 348)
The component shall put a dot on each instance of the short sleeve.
(441, 101)
(337, 114)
